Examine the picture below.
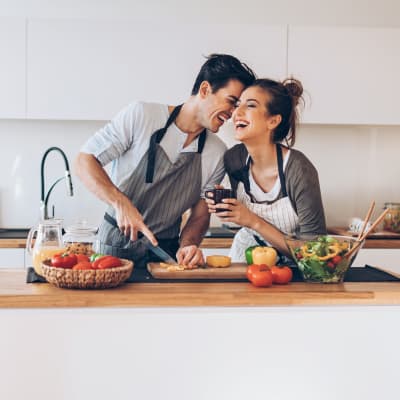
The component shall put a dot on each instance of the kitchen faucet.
(45, 198)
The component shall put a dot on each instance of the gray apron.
(161, 191)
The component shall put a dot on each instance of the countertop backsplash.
(356, 164)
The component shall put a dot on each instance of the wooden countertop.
(15, 293)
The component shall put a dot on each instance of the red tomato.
(96, 262)
(330, 264)
(83, 265)
(281, 275)
(82, 258)
(64, 260)
(109, 262)
(336, 260)
(259, 275)
(254, 268)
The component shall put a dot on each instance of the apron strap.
(202, 141)
(156, 138)
(282, 178)
(280, 170)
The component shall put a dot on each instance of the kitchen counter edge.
(215, 242)
(15, 293)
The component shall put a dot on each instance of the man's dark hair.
(219, 69)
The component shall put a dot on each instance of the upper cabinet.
(12, 67)
(350, 75)
(90, 69)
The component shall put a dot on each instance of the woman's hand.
(237, 212)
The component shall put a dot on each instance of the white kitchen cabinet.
(388, 259)
(12, 67)
(90, 69)
(12, 258)
(350, 74)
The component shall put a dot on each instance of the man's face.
(218, 107)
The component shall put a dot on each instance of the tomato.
(259, 275)
(82, 257)
(97, 261)
(63, 260)
(109, 262)
(330, 264)
(336, 260)
(254, 268)
(281, 275)
(83, 265)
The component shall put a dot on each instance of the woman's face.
(251, 118)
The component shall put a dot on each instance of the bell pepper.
(63, 260)
(333, 251)
(95, 256)
(261, 255)
(264, 255)
(249, 255)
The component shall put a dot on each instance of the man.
(164, 159)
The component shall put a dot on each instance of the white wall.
(310, 12)
(356, 163)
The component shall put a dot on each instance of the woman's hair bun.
(294, 88)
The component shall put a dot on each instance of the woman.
(277, 187)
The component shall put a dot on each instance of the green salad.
(323, 259)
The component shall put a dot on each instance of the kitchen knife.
(162, 254)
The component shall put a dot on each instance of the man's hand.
(95, 178)
(191, 256)
(130, 221)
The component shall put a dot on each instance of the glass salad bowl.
(324, 258)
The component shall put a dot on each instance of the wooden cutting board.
(234, 271)
(374, 235)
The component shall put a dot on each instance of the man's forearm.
(196, 227)
(95, 178)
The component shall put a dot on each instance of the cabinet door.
(12, 67)
(81, 69)
(12, 258)
(350, 74)
(388, 259)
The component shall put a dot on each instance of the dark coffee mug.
(218, 195)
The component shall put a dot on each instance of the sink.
(14, 233)
(219, 232)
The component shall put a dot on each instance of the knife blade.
(162, 254)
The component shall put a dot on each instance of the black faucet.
(45, 198)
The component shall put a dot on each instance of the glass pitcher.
(47, 243)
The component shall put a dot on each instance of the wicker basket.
(87, 279)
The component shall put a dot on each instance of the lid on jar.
(392, 205)
(81, 228)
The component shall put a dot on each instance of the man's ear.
(204, 89)
(274, 121)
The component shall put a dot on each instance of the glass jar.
(80, 238)
(48, 242)
(391, 222)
